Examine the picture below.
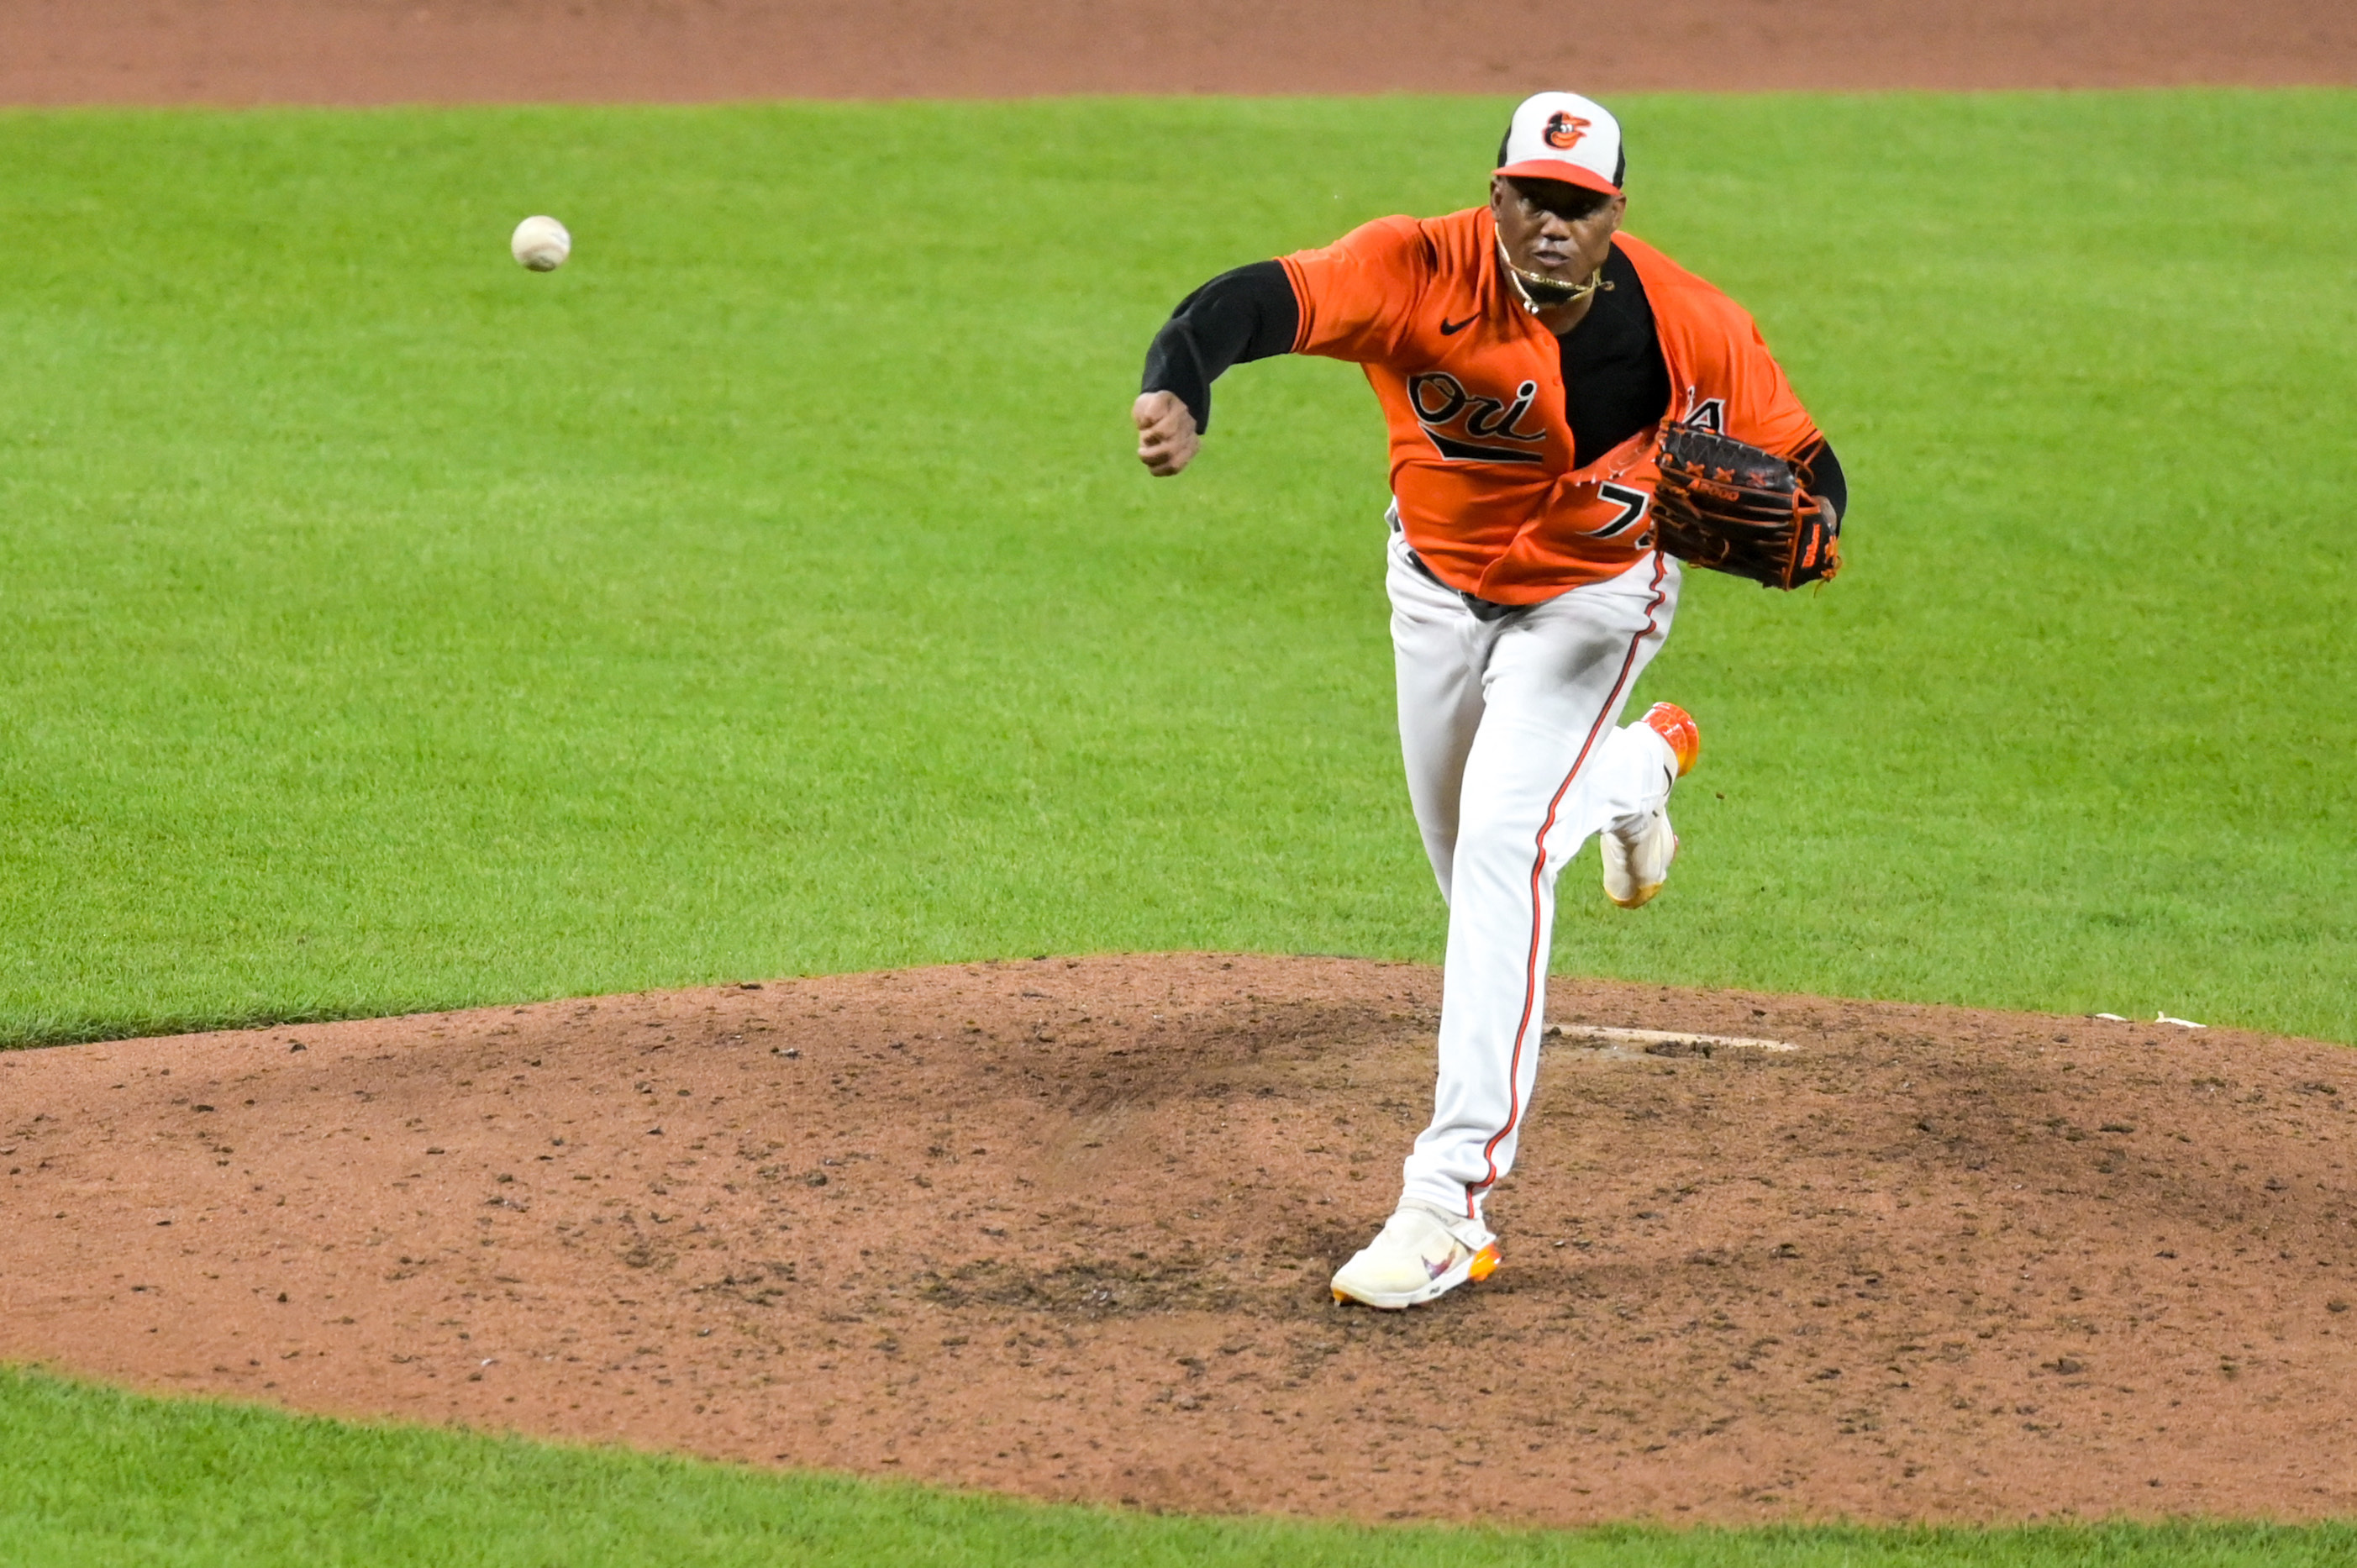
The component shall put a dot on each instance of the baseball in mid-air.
(541, 244)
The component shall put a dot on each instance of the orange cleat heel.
(1677, 726)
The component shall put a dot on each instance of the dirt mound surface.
(386, 52)
(1063, 1228)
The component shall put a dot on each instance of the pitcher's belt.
(1483, 609)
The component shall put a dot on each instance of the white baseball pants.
(1513, 761)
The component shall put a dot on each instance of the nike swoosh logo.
(1447, 330)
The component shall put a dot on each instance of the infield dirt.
(393, 51)
(1063, 1228)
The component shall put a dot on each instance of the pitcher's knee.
(1494, 853)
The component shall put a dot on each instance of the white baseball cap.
(1561, 135)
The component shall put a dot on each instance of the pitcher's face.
(1553, 228)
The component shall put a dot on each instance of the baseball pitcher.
(1570, 413)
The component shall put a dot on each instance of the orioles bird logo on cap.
(1563, 130)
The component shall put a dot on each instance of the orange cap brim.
(1560, 170)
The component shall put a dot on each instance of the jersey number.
(1633, 505)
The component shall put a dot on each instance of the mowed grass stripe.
(97, 1476)
(771, 590)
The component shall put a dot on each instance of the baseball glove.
(1733, 508)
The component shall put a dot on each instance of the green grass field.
(123, 1481)
(771, 591)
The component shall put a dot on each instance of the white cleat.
(1633, 872)
(1635, 868)
(1420, 1253)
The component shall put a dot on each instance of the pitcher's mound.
(1064, 1228)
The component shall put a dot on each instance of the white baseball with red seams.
(1515, 758)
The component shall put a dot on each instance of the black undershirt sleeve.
(1827, 480)
(1247, 314)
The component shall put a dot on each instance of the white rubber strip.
(1645, 1039)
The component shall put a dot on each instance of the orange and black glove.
(1730, 506)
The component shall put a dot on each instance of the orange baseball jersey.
(1472, 384)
